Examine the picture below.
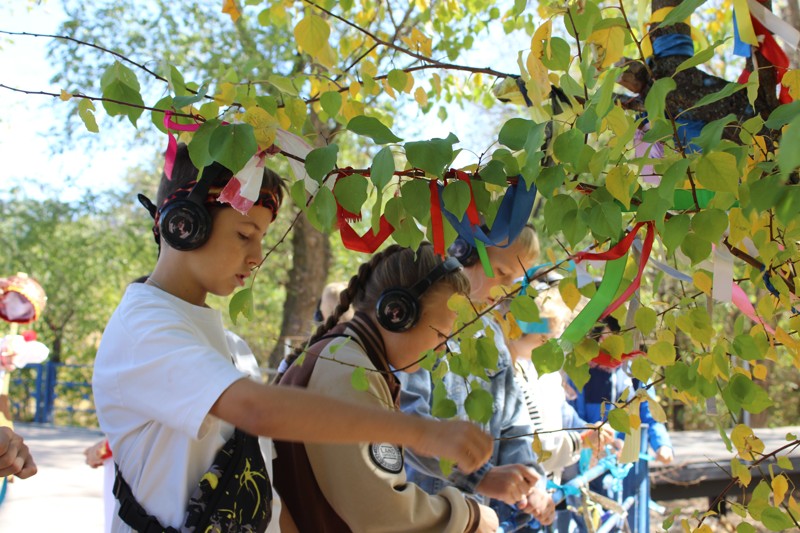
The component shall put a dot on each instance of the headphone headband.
(451, 264)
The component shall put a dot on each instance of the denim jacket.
(510, 419)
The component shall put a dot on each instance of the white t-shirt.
(161, 366)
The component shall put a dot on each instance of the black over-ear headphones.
(464, 251)
(185, 223)
(398, 308)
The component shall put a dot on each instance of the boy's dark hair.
(184, 176)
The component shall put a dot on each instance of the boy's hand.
(597, 436)
(540, 505)
(664, 455)
(94, 454)
(463, 442)
(15, 458)
(488, 522)
(508, 483)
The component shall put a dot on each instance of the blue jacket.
(606, 386)
(510, 419)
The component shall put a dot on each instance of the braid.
(346, 298)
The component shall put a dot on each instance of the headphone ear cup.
(462, 250)
(397, 310)
(185, 225)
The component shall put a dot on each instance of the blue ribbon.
(673, 44)
(567, 490)
(513, 213)
(771, 288)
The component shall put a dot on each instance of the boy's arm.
(292, 414)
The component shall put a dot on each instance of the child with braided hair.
(400, 302)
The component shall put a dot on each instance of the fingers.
(15, 459)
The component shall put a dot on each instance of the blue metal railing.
(633, 498)
(54, 389)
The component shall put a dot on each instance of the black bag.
(233, 496)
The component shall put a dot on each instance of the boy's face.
(507, 266)
(234, 248)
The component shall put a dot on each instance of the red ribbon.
(367, 243)
(647, 246)
(606, 361)
(773, 53)
(619, 249)
(172, 144)
(437, 225)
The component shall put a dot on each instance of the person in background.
(512, 477)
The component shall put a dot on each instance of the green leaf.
(620, 420)
(681, 12)
(662, 353)
(653, 207)
(782, 115)
(645, 320)
(487, 354)
(711, 133)
(382, 168)
(241, 303)
(568, 146)
(182, 101)
(320, 161)
(431, 156)
(550, 179)
(728, 90)
(359, 379)
(775, 519)
(515, 132)
(442, 406)
(456, 198)
(157, 117)
(789, 155)
(718, 171)
(298, 194)
(351, 192)
(524, 308)
(703, 56)
(322, 211)
(119, 83)
(784, 462)
(86, 112)
(416, 198)
(479, 404)
(312, 33)
(397, 79)
(331, 102)
(741, 392)
(373, 128)
(549, 357)
(746, 347)
(560, 55)
(744, 527)
(605, 220)
(710, 224)
(232, 145)
(655, 101)
(675, 229)
(199, 145)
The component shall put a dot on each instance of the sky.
(32, 159)
(28, 122)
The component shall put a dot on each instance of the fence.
(53, 393)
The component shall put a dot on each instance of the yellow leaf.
(226, 94)
(662, 353)
(538, 86)
(421, 97)
(283, 119)
(636, 421)
(409, 84)
(65, 96)
(570, 294)
(312, 33)
(747, 444)
(264, 125)
(702, 281)
(230, 7)
(741, 472)
(388, 89)
(368, 68)
(609, 44)
(614, 345)
(760, 371)
(618, 121)
(326, 56)
(705, 528)
(791, 80)
(656, 410)
(436, 84)
(621, 183)
(779, 487)
(540, 39)
(419, 42)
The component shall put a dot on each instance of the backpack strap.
(131, 511)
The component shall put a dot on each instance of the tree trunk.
(311, 259)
